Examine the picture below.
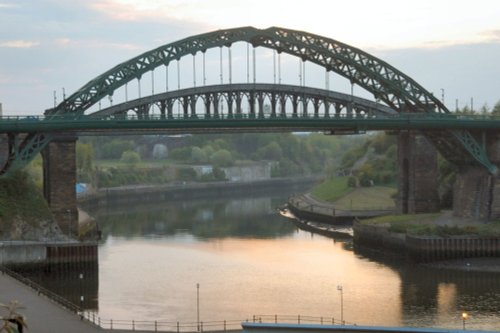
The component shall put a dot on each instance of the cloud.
(95, 44)
(19, 44)
(8, 5)
(492, 36)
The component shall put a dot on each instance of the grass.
(426, 225)
(331, 189)
(142, 164)
(366, 198)
(21, 199)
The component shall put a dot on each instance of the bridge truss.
(386, 83)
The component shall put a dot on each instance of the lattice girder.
(385, 82)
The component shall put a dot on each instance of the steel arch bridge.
(252, 100)
(387, 84)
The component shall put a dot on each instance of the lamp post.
(464, 318)
(82, 298)
(198, 306)
(341, 289)
(69, 222)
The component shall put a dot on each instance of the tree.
(222, 158)
(130, 157)
(272, 151)
(198, 155)
(84, 157)
(496, 109)
(115, 148)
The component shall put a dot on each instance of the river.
(248, 260)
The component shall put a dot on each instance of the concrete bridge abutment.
(476, 193)
(59, 182)
(418, 174)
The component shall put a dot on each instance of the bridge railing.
(200, 116)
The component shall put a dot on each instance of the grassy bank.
(21, 199)
(367, 198)
(331, 189)
(337, 191)
(433, 225)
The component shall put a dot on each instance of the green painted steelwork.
(221, 123)
(385, 82)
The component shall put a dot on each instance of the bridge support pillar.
(59, 182)
(476, 192)
(418, 174)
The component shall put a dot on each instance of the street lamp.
(341, 289)
(198, 306)
(464, 318)
(69, 222)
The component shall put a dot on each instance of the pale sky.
(46, 45)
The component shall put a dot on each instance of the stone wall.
(59, 182)
(248, 173)
(418, 174)
(476, 193)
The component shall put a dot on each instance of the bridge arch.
(385, 82)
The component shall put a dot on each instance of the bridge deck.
(24, 124)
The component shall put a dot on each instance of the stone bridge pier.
(59, 182)
(418, 174)
(476, 193)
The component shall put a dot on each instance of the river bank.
(464, 252)
(187, 190)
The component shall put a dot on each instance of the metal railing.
(206, 326)
(167, 326)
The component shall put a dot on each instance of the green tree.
(222, 158)
(115, 148)
(198, 155)
(131, 158)
(84, 157)
(496, 109)
(181, 154)
(271, 151)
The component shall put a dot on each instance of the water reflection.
(204, 219)
(437, 297)
(250, 260)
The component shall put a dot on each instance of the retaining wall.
(426, 248)
(38, 252)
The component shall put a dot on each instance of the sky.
(450, 47)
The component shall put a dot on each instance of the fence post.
(275, 319)
(133, 325)
(333, 321)
(99, 321)
(224, 325)
(201, 326)
(156, 326)
(321, 320)
(254, 318)
(111, 324)
(298, 319)
(177, 327)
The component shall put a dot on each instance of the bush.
(130, 157)
(351, 181)
(222, 158)
(186, 174)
